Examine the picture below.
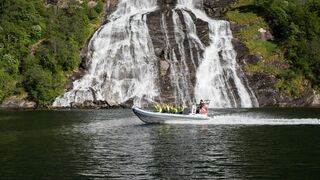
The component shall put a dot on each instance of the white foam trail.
(242, 120)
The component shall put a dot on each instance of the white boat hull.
(161, 118)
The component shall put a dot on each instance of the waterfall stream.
(123, 65)
(217, 79)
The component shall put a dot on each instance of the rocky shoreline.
(277, 100)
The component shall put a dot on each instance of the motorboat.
(150, 117)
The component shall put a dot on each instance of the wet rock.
(17, 102)
(92, 4)
(127, 104)
(159, 52)
(216, 8)
(253, 59)
(163, 35)
(88, 104)
(76, 105)
(265, 34)
(263, 86)
(235, 27)
(110, 7)
(316, 99)
(167, 4)
(241, 49)
(164, 66)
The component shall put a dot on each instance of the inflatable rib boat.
(160, 118)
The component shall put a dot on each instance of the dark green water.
(237, 144)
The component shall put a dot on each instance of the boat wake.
(245, 120)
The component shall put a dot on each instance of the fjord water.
(92, 144)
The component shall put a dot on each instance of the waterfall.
(179, 76)
(180, 70)
(217, 79)
(122, 63)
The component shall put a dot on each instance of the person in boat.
(180, 109)
(200, 106)
(203, 108)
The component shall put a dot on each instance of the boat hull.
(161, 118)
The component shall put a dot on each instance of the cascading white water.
(123, 63)
(217, 79)
(177, 57)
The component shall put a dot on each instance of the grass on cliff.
(272, 60)
(40, 45)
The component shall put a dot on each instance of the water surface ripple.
(114, 144)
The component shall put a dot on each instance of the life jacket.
(204, 110)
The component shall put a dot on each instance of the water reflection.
(114, 148)
(115, 144)
(190, 152)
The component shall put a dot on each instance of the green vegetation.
(266, 48)
(296, 27)
(250, 24)
(40, 45)
(272, 62)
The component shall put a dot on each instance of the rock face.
(170, 45)
(169, 28)
(316, 99)
(162, 30)
(265, 34)
(17, 102)
(166, 51)
(263, 85)
(216, 8)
